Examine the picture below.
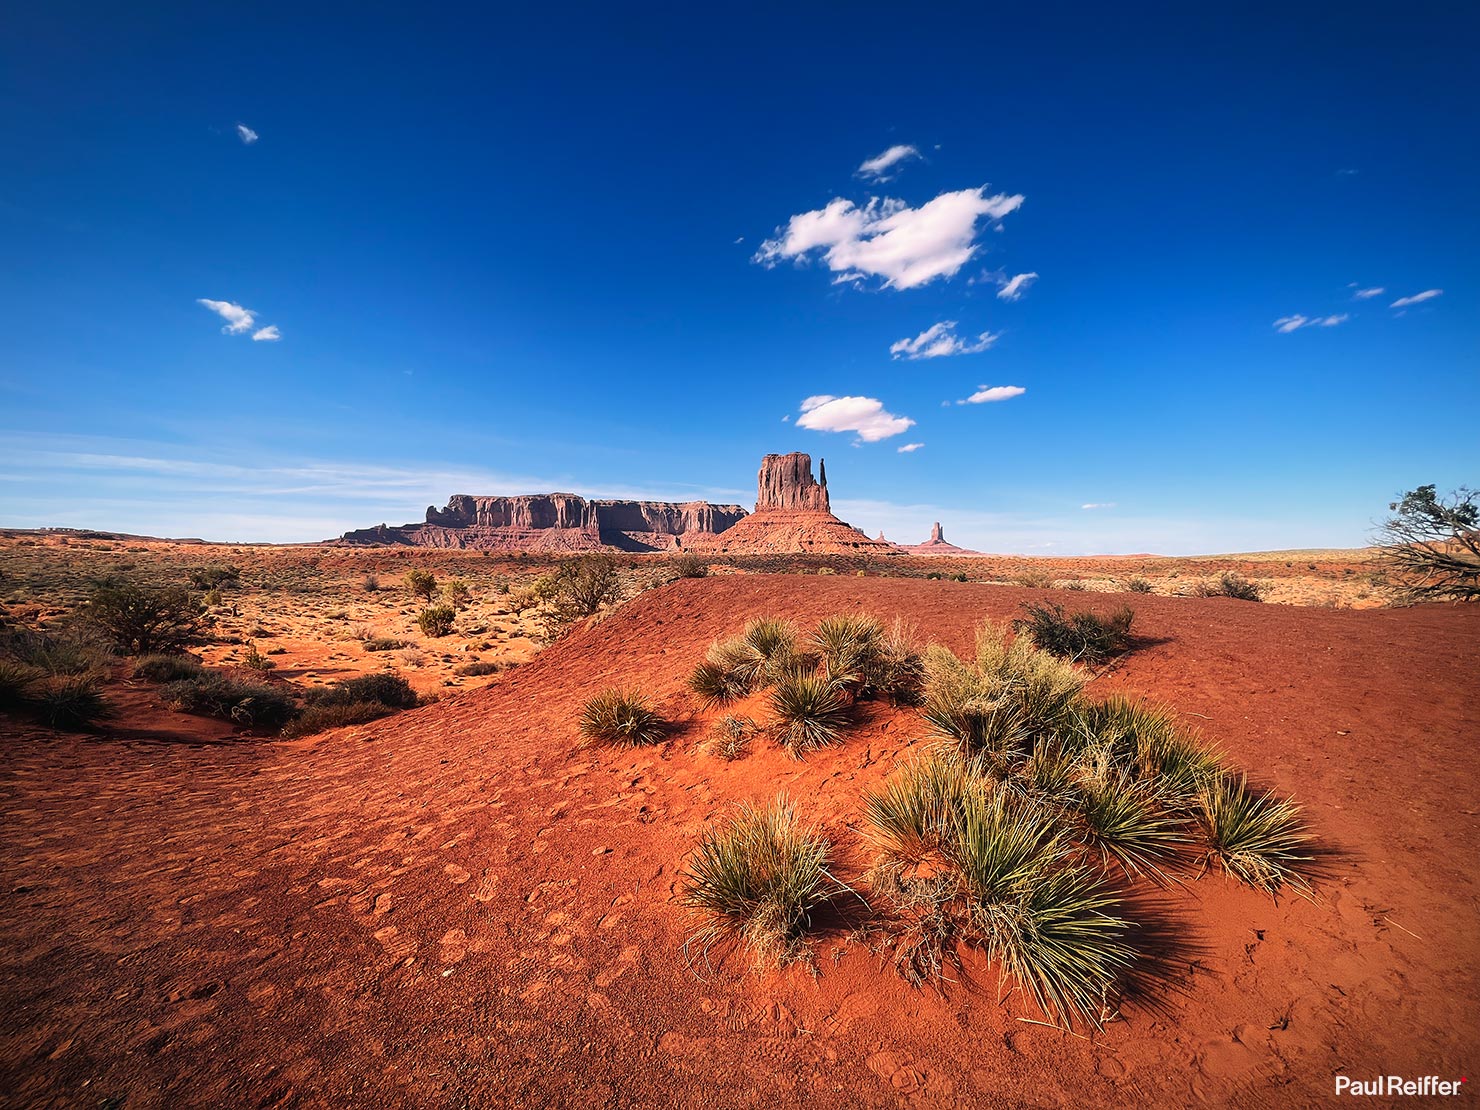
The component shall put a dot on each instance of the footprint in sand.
(457, 874)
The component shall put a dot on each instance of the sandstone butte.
(793, 515)
(936, 545)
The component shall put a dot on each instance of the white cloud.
(270, 334)
(1417, 298)
(863, 415)
(246, 134)
(940, 340)
(887, 239)
(1366, 294)
(908, 447)
(238, 319)
(988, 393)
(1099, 505)
(877, 169)
(1013, 290)
(1286, 324)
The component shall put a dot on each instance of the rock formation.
(555, 522)
(936, 545)
(792, 516)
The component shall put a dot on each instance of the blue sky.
(627, 252)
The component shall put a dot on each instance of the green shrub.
(217, 694)
(255, 660)
(850, 645)
(422, 583)
(1077, 636)
(436, 620)
(322, 717)
(145, 620)
(167, 668)
(457, 593)
(389, 690)
(1255, 838)
(811, 711)
(583, 585)
(757, 880)
(71, 652)
(620, 717)
(761, 655)
(384, 643)
(1138, 585)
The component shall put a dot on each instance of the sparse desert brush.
(1033, 579)
(371, 583)
(213, 578)
(383, 643)
(436, 620)
(422, 583)
(473, 670)
(729, 737)
(1257, 838)
(522, 599)
(583, 585)
(255, 660)
(457, 593)
(166, 668)
(1077, 636)
(1138, 585)
(811, 712)
(389, 690)
(144, 620)
(1229, 584)
(757, 880)
(70, 703)
(619, 716)
(321, 718)
(1075, 584)
(690, 565)
(217, 694)
(70, 651)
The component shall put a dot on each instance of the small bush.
(690, 565)
(473, 670)
(167, 668)
(436, 620)
(422, 583)
(213, 578)
(144, 620)
(1138, 585)
(811, 712)
(389, 690)
(384, 643)
(18, 682)
(255, 660)
(1230, 585)
(321, 718)
(757, 880)
(457, 593)
(71, 703)
(372, 583)
(71, 652)
(760, 656)
(216, 694)
(620, 717)
(1077, 636)
(1034, 579)
(729, 737)
(1257, 839)
(522, 599)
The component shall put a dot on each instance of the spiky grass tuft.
(757, 880)
(619, 716)
(1257, 838)
(730, 737)
(811, 710)
(912, 818)
(850, 645)
(763, 654)
(71, 703)
(1118, 821)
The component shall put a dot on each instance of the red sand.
(458, 908)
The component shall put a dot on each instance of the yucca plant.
(1119, 822)
(716, 685)
(1257, 838)
(18, 682)
(71, 703)
(913, 817)
(811, 710)
(764, 653)
(850, 645)
(729, 737)
(620, 716)
(898, 667)
(757, 879)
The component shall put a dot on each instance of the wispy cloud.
(903, 247)
(1286, 324)
(246, 134)
(1098, 505)
(1014, 288)
(1417, 298)
(908, 447)
(885, 167)
(239, 320)
(988, 393)
(940, 340)
(863, 415)
(269, 334)
(1360, 294)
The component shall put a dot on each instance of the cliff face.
(786, 482)
(555, 522)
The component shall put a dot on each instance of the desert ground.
(461, 906)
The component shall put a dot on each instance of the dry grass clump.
(321, 718)
(1229, 584)
(217, 694)
(729, 737)
(167, 668)
(621, 717)
(53, 676)
(756, 880)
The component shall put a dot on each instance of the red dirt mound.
(456, 907)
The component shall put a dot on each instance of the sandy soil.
(457, 907)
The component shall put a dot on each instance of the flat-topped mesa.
(785, 482)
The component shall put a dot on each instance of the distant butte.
(793, 515)
(936, 545)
